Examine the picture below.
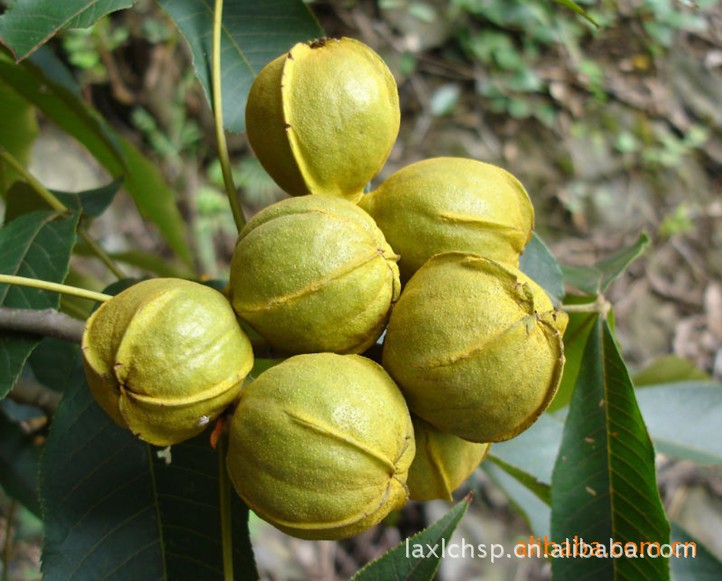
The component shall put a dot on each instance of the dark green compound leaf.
(19, 457)
(28, 24)
(596, 279)
(418, 557)
(114, 508)
(155, 200)
(36, 245)
(53, 362)
(539, 263)
(604, 484)
(692, 560)
(254, 33)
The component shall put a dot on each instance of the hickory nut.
(476, 347)
(452, 204)
(320, 445)
(164, 358)
(314, 274)
(322, 119)
(442, 462)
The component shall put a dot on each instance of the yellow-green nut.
(164, 358)
(314, 274)
(476, 347)
(442, 462)
(320, 445)
(322, 119)
(452, 204)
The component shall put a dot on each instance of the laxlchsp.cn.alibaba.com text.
(537, 547)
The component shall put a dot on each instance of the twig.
(223, 157)
(45, 322)
(35, 394)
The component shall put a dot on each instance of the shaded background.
(613, 130)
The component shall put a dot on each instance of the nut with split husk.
(476, 347)
(452, 204)
(442, 462)
(322, 119)
(314, 274)
(164, 358)
(320, 445)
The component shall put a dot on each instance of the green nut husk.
(451, 204)
(322, 119)
(164, 358)
(476, 347)
(320, 445)
(442, 462)
(314, 274)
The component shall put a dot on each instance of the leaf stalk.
(223, 156)
(53, 287)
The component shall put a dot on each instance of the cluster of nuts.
(326, 443)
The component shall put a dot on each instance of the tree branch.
(35, 394)
(46, 322)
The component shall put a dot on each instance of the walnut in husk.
(314, 274)
(320, 445)
(476, 347)
(165, 357)
(452, 204)
(442, 462)
(322, 118)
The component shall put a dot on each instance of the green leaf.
(683, 419)
(113, 508)
(530, 457)
(53, 362)
(541, 490)
(28, 24)
(578, 9)
(596, 279)
(91, 202)
(703, 565)
(22, 199)
(153, 197)
(34, 245)
(19, 457)
(253, 34)
(575, 342)
(19, 130)
(539, 263)
(604, 484)
(406, 562)
(666, 370)
(535, 450)
(535, 512)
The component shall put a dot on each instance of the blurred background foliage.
(614, 129)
